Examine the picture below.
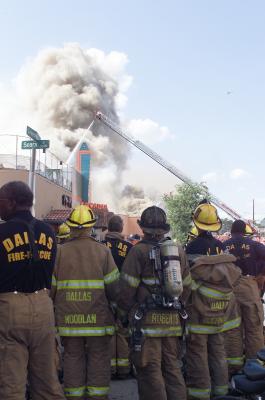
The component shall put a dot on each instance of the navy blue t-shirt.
(250, 255)
(18, 270)
(205, 244)
(118, 247)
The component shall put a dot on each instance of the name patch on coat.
(80, 319)
(78, 296)
(156, 318)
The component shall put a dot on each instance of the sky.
(196, 68)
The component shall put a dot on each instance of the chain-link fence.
(47, 164)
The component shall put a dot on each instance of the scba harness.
(164, 256)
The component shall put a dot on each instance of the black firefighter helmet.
(154, 221)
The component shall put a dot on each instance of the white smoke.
(58, 93)
(64, 88)
(148, 131)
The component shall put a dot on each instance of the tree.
(180, 206)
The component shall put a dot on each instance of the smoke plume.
(134, 200)
(65, 87)
(58, 93)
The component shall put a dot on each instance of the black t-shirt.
(250, 255)
(18, 270)
(118, 247)
(205, 244)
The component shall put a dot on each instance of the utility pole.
(253, 211)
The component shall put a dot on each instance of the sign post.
(35, 143)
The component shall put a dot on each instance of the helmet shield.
(81, 217)
(205, 218)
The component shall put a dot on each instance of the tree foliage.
(180, 206)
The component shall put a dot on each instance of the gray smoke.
(64, 88)
(133, 192)
(58, 93)
(133, 200)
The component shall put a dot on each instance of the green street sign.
(33, 134)
(38, 144)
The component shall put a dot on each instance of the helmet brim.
(63, 236)
(209, 227)
(161, 230)
(80, 226)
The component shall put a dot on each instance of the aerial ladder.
(165, 164)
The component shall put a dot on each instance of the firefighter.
(115, 240)
(120, 363)
(27, 337)
(250, 258)
(85, 282)
(63, 233)
(211, 307)
(193, 234)
(205, 242)
(154, 321)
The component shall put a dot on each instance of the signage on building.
(33, 134)
(95, 206)
(36, 144)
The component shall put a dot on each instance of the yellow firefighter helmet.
(205, 217)
(81, 217)
(193, 233)
(63, 231)
(249, 230)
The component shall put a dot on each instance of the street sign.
(38, 144)
(33, 134)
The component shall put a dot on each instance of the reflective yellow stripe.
(214, 294)
(187, 281)
(75, 392)
(54, 282)
(97, 391)
(112, 276)
(235, 360)
(123, 362)
(157, 332)
(113, 362)
(199, 393)
(234, 323)
(208, 329)
(150, 281)
(87, 331)
(220, 390)
(80, 284)
(131, 280)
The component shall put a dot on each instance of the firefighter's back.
(85, 282)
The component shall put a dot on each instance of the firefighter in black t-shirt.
(27, 255)
(250, 257)
(115, 240)
(120, 364)
(206, 221)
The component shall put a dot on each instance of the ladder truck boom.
(156, 157)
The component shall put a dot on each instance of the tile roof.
(57, 217)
